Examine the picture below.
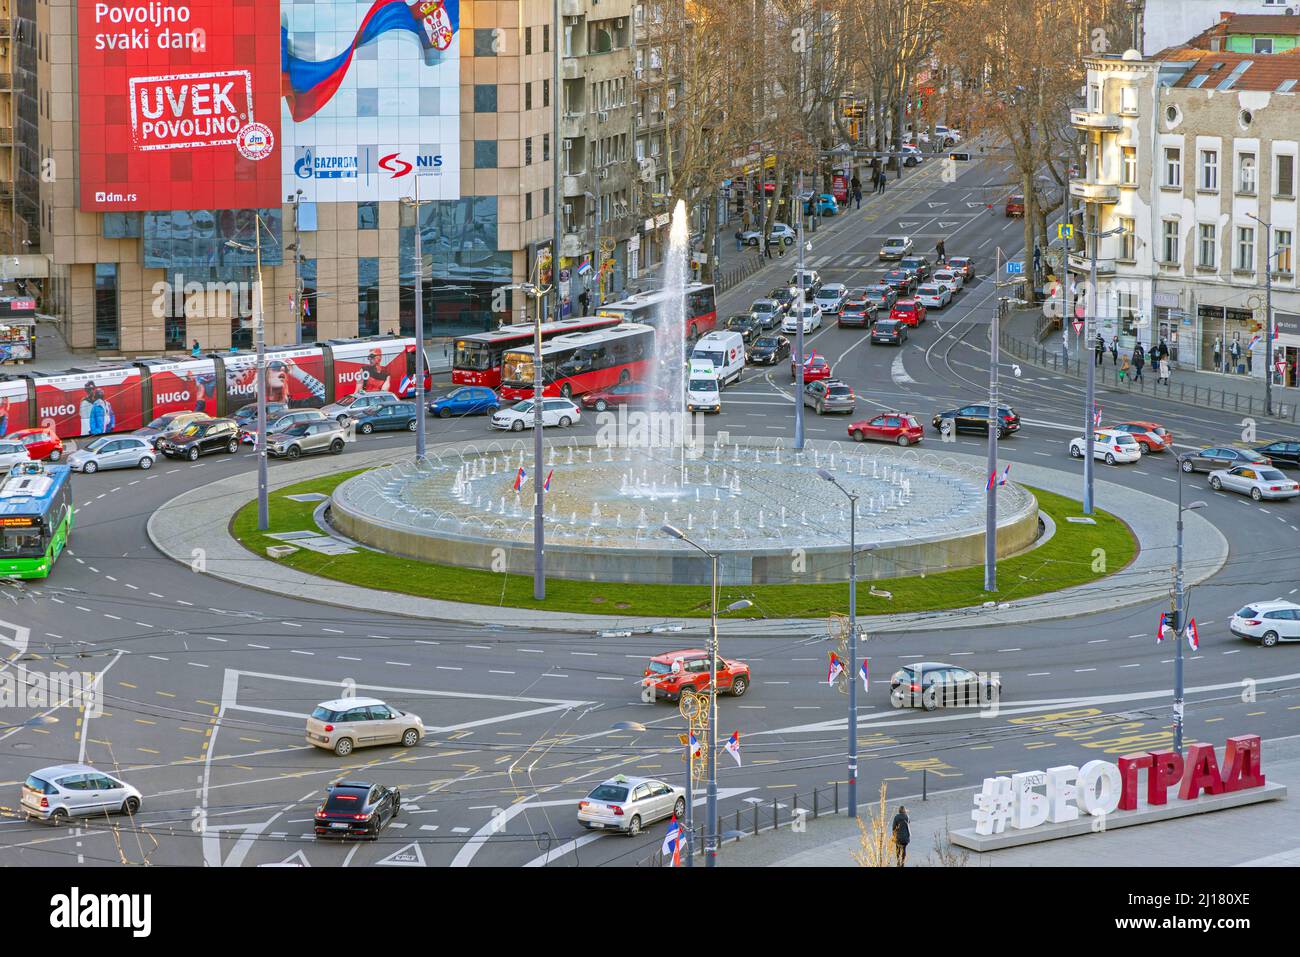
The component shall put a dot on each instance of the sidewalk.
(1236, 393)
(200, 519)
(1258, 835)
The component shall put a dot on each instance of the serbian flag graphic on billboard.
(178, 104)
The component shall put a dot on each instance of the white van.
(726, 350)
(703, 393)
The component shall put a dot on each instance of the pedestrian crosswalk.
(840, 262)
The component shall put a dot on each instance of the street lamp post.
(259, 336)
(420, 411)
(711, 798)
(1180, 625)
(1268, 313)
(799, 359)
(853, 639)
(1089, 343)
(296, 199)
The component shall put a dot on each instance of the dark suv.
(975, 418)
(200, 438)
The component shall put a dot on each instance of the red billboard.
(179, 104)
(89, 403)
(382, 366)
(13, 406)
(189, 386)
(293, 376)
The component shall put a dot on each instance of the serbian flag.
(733, 746)
(993, 480)
(865, 672)
(546, 486)
(306, 307)
(1096, 417)
(1253, 339)
(836, 667)
(693, 745)
(811, 357)
(1193, 636)
(520, 476)
(584, 267)
(673, 842)
(309, 85)
(1163, 631)
(1005, 472)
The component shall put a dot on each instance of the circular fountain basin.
(761, 508)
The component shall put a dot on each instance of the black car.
(889, 332)
(357, 809)
(1284, 455)
(883, 295)
(917, 265)
(768, 350)
(748, 327)
(857, 310)
(975, 418)
(901, 281)
(1219, 457)
(932, 684)
(200, 438)
(782, 296)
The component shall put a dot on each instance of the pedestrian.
(740, 242)
(195, 351)
(1164, 371)
(857, 195)
(1218, 355)
(767, 248)
(1139, 360)
(939, 252)
(855, 184)
(902, 834)
(1114, 350)
(584, 301)
(1250, 365)
(884, 180)
(1099, 348)
(1124, 368)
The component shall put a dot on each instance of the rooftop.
(1216, 70)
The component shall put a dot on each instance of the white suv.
(1267, 622)
(76, 790)
(1110, 446)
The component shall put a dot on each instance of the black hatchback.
(975, 418)
(200, 438)
(1282, 454)
(357, 809)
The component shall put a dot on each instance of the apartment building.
(1191, 153)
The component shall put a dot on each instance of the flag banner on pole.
(584, 268)
(811, 357)
(1163, 630)
(520, 476)
(733, 746)
(672, 846)
(693, 745)
(1253, 339)
(1193, 636)
(993, 480)
(546, 486)
(1005, 472)
(1096, 417)
(306, 307)
(865, 672)
(833, 672)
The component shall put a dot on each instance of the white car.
(630, 804)
(1111, 447)
(812, 319)
(779, 233)
(11, 453)
(1267, 622)
(1257, 481)
(76, 790)
(911, 155)
(114, 452)
(950, 278)
(932, 295)
(947, 135)
(830, 298)
(896, 247)
(561, 412)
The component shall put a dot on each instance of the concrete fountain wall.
(922, 511)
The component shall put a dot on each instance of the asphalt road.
(206, 684)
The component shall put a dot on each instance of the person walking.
(884, 181)
(1139, 360)
(1218, 355)
(584, 301)
(1164, 371)
(1114, 350)
(767, 247)
(940, 254)
(902, 834)
(1099, 348)
(195, 351)
(1124, 368)
(857, 195)
(740, 241)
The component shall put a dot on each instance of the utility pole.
(557, 210)
(1180, 623)
(799, 359)
(420, 411)
(994, 427)
(259, 335)
(853, 639)
(1089, 345)
(296, 199)
(1268, 313)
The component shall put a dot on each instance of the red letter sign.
(1241, 762)
(1202, 773)
(1166, 770)
(1128, 773)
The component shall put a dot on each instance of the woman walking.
(902, 834)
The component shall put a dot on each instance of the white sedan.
(1259, 482)
(1110, 447)
(561, 412)
(951, 278)
(932, 295)
(812, 319)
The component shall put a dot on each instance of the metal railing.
(1284, 406)
(760, 816)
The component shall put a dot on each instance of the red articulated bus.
(647, 308)
(106, 399)
(581, 362)
(477, 359)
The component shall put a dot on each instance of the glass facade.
(108, 332)
(368, 296)
(197, 238)
(367, 215)
(307, 272)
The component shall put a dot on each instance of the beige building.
(145, 283)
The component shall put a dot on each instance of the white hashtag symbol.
(993, 806)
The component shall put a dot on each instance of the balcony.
(1094, 192)
(573, 8)
(575, 184)
(1081, 264)
(572, 68)
(1097, 122)
(573, 126)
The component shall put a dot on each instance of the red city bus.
(646, 308)
(477, 359)
(581, 362)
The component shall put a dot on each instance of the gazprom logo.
(302, 167)
(312, 166)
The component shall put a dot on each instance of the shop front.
(1286, 350)
(17, 329)
(1226, 335)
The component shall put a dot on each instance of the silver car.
(304, 438)
(829, 395)
(11, 453)
(350, 406)
(114, 452)
(348, 723)
(76, 790)
(830, 298)
(1259, 482)
(628, 804)
(896, 247)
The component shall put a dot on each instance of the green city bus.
(35, 518)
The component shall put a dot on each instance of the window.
(528, 96)
(1128, 312)
(1094, 161)
(528, 206)
(485, 96)
(1173, 166)
(1285, 179)
(546, 38)
(1127, 240)
(1128, 99)
(528, 41)
(1246, 248)
(1263, 44)
(1130, 165)
(368, 215)
(546, 147)
(528, 151)
(1209, 169)
(368, 296)
(1094, 98)
(485, 42)
(485, 154)
(1169, 241)
(1282, 250)
(107, 324)
(1246, 173)
(1207, 253)
(307, 318)
(546, 201)
(546, 93)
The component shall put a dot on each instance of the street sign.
(1064, 231)
(1015, 268)
(1078, 326)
